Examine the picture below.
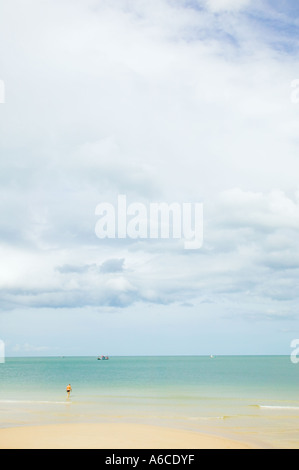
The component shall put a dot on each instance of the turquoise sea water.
(245, 397)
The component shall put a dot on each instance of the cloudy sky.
(161, 101)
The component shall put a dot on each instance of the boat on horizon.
(103, 358)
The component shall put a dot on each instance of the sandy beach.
(110, 436)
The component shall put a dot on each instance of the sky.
(186, 101)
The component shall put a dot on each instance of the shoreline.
(112, 436)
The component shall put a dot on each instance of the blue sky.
(160, 101)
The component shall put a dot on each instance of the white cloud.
(29, 348)
(227, 5)
(274, 210)
(162, 103)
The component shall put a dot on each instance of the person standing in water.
(68, 390)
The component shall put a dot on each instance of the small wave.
(277, 407)
(36, 402)
(207, 418)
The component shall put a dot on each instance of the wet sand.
(110, 436)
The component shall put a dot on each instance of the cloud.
(273, 210)
(163, 102)
(29, 348)
(112, 266)
(65, 269)
(227, 5)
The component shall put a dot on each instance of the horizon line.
(146, 355)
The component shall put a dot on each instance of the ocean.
(252, 398)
